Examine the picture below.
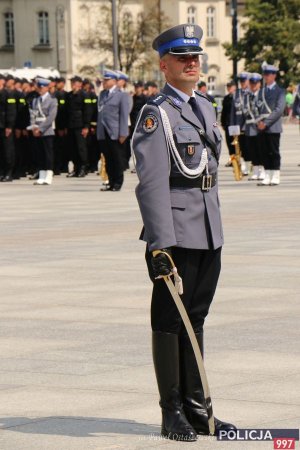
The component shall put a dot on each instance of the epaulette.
(158, 100)
(202, 96)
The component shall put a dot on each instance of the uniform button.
(190, 139)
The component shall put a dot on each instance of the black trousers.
(244, 148)
(229, 139)
(78, 148)
(45, 152)
(270, 150)
(113, 153)
(255, 151)
(200, 270)
(7, 150)
(61, 157)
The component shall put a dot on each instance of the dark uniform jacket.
(61, 116)
(138, 102)
(182, 216)
(237, 116)
(296, 105)
(226, 110)
(78, 110)
(8, 109)
(23, 116)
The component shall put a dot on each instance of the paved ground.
(76, 370)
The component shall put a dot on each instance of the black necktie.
(196, 110)
(105, 94)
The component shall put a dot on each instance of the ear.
(162, 65)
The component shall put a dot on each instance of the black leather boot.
(192, 391)
(81, 173)
(165, 350)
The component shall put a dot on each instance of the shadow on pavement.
(76, 426)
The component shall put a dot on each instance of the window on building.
(211, 22)
(9, 28)
(191, 14)
(43, 22)
(211, 83)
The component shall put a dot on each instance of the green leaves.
(272, 34)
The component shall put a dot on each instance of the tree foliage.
(135, 35)
(272, 34)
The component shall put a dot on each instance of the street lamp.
(234, 16)
(59, 20)
(115, 33)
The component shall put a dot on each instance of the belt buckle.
(206, 182)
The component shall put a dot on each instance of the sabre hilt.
(174, 272)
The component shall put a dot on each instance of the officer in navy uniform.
(252, 135)
(60, 153)
(112, 128)
(271, 104)
(8, 112)
(79, 113)
(177, 146)
(237, 117)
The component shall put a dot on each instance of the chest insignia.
(191, 150)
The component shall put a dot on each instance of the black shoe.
(116, 188)
(228, 164)
(71, 174)
(192, 391)
(165, 351)
(106, 188)
(6, 179)
(34, 176)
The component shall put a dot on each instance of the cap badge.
(189, 31)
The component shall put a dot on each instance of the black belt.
(204, 182)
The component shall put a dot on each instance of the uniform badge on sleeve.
(150, 123)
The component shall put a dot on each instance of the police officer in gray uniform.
(271, 104)
(176, 144)
(113, 128)
(237, 117)
(296, 104)
(42, 117)
(252, 135)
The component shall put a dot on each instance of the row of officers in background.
(257, 107)
(43, 127)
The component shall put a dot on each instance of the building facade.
(63, 34)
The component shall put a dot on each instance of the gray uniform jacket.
(43, 114)
(271, 105)
(113, 114)
(251, 114)
(183, 217)
(237, 116)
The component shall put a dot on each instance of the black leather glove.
(161, 264)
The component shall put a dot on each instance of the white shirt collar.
(44, 96)
(271, 85)
(181, 94)
(112, 88)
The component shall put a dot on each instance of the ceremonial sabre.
(175, 291)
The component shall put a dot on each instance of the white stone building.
(56, 34)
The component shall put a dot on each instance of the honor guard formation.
(43, 127)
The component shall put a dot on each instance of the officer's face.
(254, 86)
(43, 89)
(181, 70)
(108, 84)
(269, 78)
